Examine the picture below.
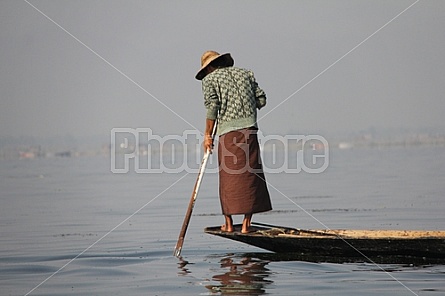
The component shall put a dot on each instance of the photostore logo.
(139, 150)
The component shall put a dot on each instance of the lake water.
(68, 226)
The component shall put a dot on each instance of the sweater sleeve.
(260, 95)
(211, 101)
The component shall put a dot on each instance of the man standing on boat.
(232, 97)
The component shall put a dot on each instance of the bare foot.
(228, 225)
(248, 230)
(226, 228)
(246, 223)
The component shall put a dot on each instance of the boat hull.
(343, 243)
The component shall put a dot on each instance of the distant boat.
(27, 155)
(63, 154)
(386, 245)
(345, 145)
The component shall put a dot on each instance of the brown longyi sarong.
(242, 185)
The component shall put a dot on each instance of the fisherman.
(232, 97)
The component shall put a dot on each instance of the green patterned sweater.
(235, 94)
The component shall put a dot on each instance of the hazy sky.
(52, 84)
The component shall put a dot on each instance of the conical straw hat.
(210, 56)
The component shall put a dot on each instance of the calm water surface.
(71, 227)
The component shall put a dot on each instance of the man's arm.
(208, 139)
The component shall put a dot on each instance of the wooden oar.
(188, 214)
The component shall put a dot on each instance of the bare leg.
(228, 226)
(246, 223)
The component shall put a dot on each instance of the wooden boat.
(365, 244)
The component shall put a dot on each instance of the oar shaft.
(188, 214)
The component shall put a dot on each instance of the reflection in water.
(182, 267)
(241, 276)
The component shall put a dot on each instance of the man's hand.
(208, 143)
(208, 140)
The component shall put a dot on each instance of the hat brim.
(226, 59)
